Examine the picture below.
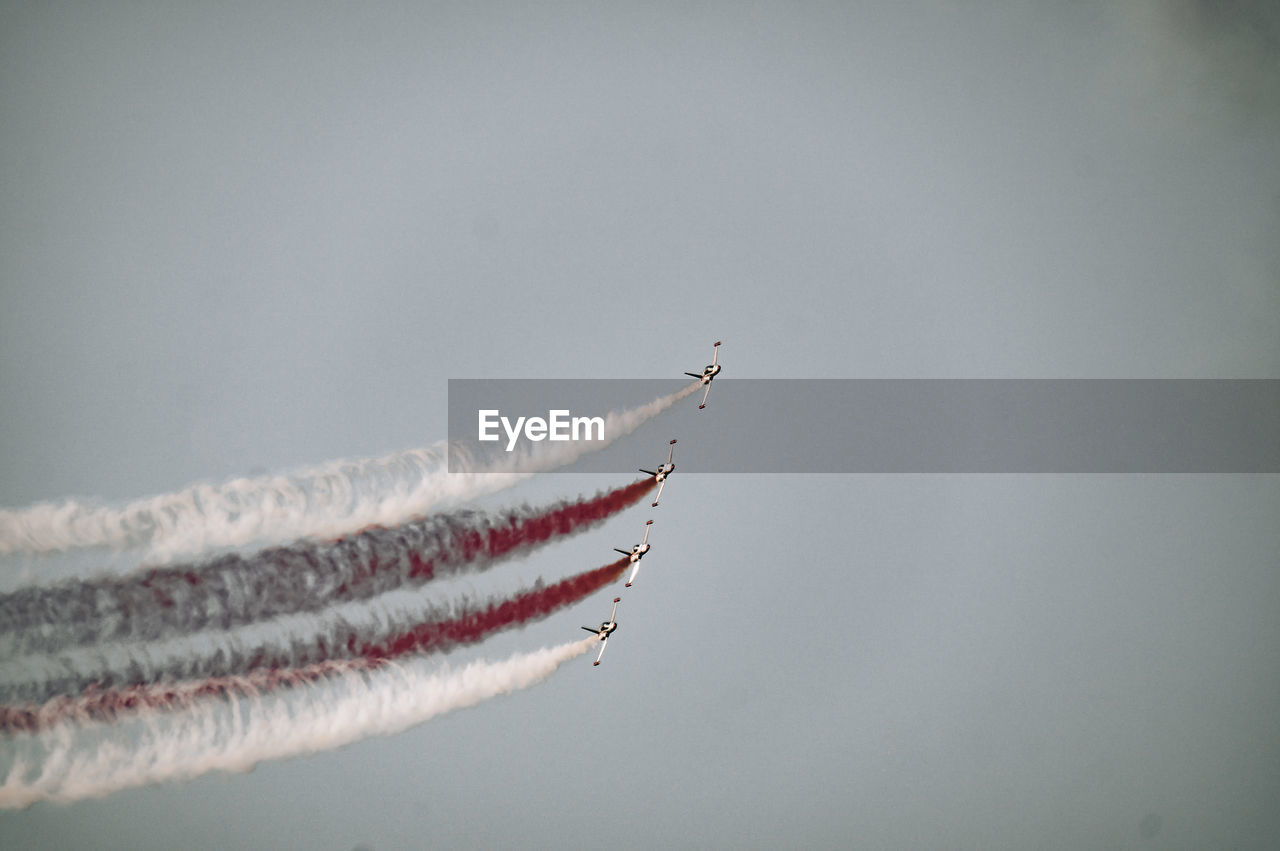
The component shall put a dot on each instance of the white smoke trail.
(326, 501)
(75, 761)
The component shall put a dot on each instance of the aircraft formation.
(638, 551)
(253, 569)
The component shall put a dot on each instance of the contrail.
(325, 501)
(74, 761)
(234, 589)
(100, 681)
(108, 705)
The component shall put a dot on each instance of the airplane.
(606, 628)
(660, 474)
(711, 371)
(637, 552)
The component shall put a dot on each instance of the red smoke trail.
(234, 590)
(472, 626)
(108, 704)
(499, 540)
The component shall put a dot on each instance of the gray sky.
(247, 238)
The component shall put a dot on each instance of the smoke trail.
(236, 589)
(107, 705)
(346, 706)
(326, 501)
(98, 680)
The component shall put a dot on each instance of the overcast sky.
(250, 237)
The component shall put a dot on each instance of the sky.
(246, 238)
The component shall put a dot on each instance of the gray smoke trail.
(76, 761)
(326, 501)
(39, 677)
(390, 625)
(234, 590)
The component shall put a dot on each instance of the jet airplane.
(605, 629)
(660, 474)
(708, 373)
(636, 553)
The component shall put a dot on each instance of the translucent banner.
(867, 426)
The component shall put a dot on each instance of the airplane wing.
(661, 485)
(715, 352)
(603, 645)
(632, 577)
(704, 396)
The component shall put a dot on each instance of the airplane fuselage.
(660, 474)
(637, 552)
(606, 629)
